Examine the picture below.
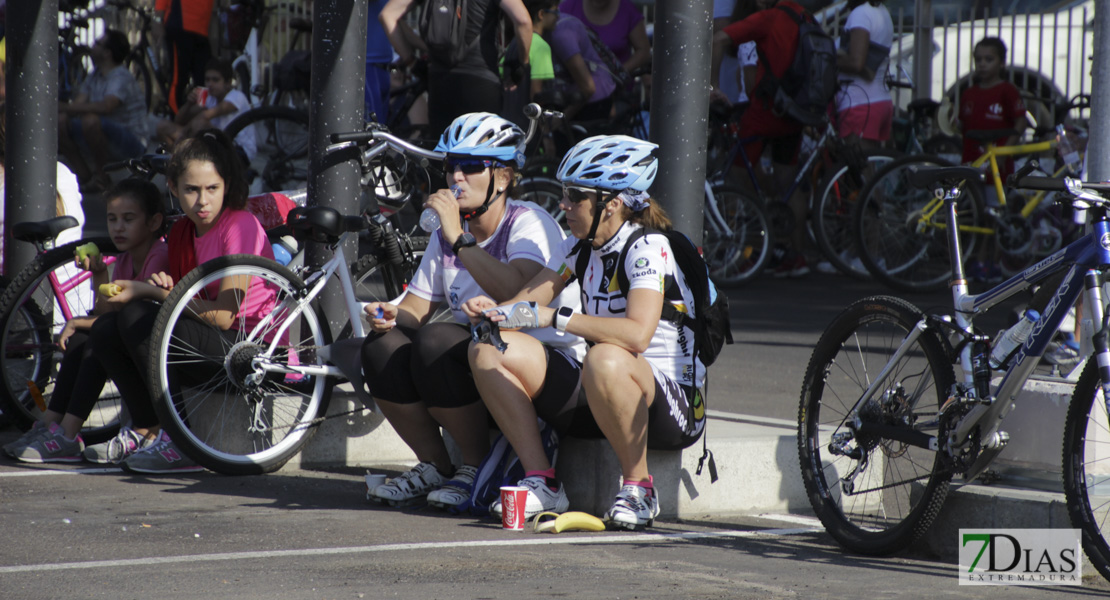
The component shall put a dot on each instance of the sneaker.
(541, 498)
(52, 446)
(794, 266)
(456, 491)
(118, 448)
(634, 509)
(827, 268)
(161, 456)
(38, 428)
(409, 487)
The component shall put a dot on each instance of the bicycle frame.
(1084, 261)
(62, 289)
(803, 170)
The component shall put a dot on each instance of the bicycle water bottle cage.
(39, 232)
(488, 332)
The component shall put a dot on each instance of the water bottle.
(1067, 150)
(1013, 338)
(429, 219)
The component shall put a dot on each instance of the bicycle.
(896, 402)
(258, 405)
(838, 166)
(144, 61)
(34, 307)
(899, 227)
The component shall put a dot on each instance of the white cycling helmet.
(610, 162)
(484, 135)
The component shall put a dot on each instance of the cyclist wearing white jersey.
(637, 376)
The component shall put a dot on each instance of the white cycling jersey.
(649, 264)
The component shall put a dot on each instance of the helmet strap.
(481, 210)
(599, 207)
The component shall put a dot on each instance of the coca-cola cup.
(513, 499)
(202, 96)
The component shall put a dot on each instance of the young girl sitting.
(135, 220)
(207, 178)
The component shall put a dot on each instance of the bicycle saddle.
(989, 135)
(322, 223)
(930, 175)
(39, 231)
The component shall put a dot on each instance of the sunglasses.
(575, 194)
(469, 166)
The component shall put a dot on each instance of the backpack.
(711, 324)
(443, 28)
(609, 61)
(502, 467)
(810, 82)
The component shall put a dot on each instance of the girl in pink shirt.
(205, 175)
(135, 223)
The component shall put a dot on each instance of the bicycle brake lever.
(488, 332)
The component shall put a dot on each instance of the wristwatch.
(562, 318)
(465, 240)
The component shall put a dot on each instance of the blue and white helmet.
(484, 135)
(610, 162)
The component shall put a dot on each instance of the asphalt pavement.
(74, 531)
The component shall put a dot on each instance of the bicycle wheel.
(546, 192)
(281, 137)
(1086, 470)
(874, 495)
(832, 213)
(31, 316)
(898, 243)
(737, 246)
(224, 410)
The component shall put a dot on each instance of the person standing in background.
(379, 56)
(472, 85)
(184, 25)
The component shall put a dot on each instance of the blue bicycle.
(897, 402)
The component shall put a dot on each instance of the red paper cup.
(513, 500)
(202, 95)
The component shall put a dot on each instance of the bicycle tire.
(1086, 432)
(221, 419)
(29, 322)
(885, 516)
(832, 213)
(136, 63)
(895, 247)
(739, 254)
(282, 139)
(546, 192)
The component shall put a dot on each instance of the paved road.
(80, 532)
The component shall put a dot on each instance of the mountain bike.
(897, 402)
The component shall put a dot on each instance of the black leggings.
(428, 364)
(80, 379)
(122, 341)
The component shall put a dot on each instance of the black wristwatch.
(562, 318)
(465, 240)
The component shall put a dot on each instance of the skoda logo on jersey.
(1104, 241)
(641, 262)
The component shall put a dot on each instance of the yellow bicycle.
(900, 228)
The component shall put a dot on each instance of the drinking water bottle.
(1013, 338)
(429, 219)
(1067, 150)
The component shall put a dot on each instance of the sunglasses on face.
(468, 166)
(576, 195)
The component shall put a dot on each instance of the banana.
(568, 521)
(109, 289)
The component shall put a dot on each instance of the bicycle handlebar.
(535, 112)
(384, 140)
(1056, 184)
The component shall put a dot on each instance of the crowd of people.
(590, 359)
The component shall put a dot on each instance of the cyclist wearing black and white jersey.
(637, 376)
